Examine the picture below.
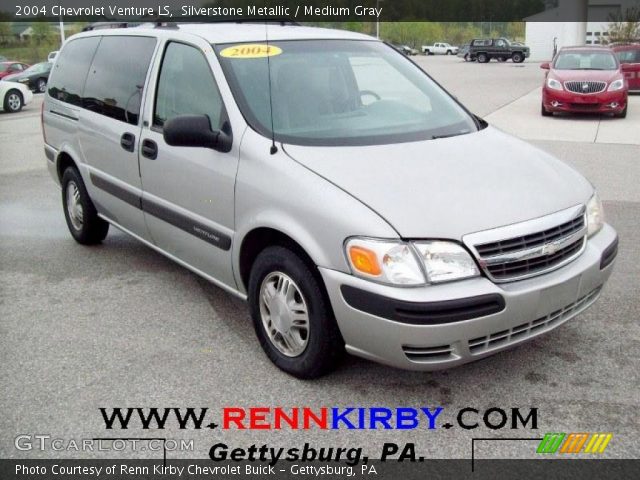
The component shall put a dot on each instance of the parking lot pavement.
(522, 118)
(118, 325)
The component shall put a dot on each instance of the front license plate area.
(559, 296)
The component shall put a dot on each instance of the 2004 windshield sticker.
(251, 50)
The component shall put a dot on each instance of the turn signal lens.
(392, 262)
(365, 261)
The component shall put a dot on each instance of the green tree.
(625, 28)
(5, 32)
(41, 31)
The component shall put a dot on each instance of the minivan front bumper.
(440, 326)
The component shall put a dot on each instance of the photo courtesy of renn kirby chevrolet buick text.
(325, 178)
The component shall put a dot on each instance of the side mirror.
(195, 131)
(545, 66)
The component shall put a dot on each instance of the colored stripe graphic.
(550, 443)
(598, 442)
(574, 442)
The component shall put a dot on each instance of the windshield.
(38, 68)
(339, 92)
(585, 61)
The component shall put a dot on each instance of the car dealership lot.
(119, 325)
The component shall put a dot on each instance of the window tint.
(186, 86)
(116, 77)
(629, 56)
(70, 71)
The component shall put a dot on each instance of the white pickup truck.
(439, 49)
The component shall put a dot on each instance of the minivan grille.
(532, 240)
(533, 253)
(520, 332)
(585, 87)
(507, 270)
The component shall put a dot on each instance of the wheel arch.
(259, 238)
(64, 161)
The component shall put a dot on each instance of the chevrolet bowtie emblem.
(550, 248)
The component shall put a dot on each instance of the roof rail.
(174, 25)
(105, 25)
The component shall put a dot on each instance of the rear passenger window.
(117, 75)
(70, 71)
(186, 86)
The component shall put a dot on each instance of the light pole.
(61, 31)
(378, 19)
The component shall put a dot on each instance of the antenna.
(273, 148)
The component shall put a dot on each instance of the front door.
(188, 197)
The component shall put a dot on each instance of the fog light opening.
(555, 103)
(613, 105)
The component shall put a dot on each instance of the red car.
(585, 80)
(9, 68)
(629, 57)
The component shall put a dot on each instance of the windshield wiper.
(435, 137)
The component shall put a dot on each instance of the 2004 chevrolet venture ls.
(328, 180)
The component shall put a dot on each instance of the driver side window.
(186, 87)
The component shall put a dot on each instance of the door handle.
(149, 149)
(128, 141)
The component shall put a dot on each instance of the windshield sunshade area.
(339, 92)
(586, 61)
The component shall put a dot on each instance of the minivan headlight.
(405, 263)
(446, 261)
(385, 261)
(595, 215)
(554, 84)
(616, 85)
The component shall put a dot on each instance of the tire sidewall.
(94, 229)
(313, 361)
(42, 82)
(6, 102)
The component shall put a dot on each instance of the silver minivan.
(330, 182)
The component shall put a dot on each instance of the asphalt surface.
(118, 325)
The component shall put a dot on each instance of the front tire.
(623, 113)
(13, 101)
(517, 57)
(84, 224)
(544, 112)
(292, 315)
(482, 58)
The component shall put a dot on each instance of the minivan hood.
(450, 187)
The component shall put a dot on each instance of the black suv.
(484, 49)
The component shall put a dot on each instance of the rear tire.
(292, 316)
(13, 101)
(482, 58)
(85, 226)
